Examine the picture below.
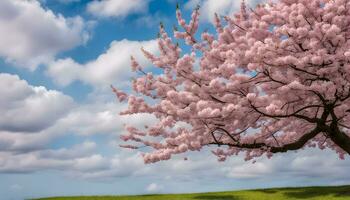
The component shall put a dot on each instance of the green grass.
(320, 193)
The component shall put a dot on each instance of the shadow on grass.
(318, 192)
(216, 197)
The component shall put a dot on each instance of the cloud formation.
(109, 67)
(31, 35)
(27, 108)
(33, 117)
(153, 188)
(222, 7)
(116, 8)
(200, 167)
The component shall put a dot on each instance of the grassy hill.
(320, 193)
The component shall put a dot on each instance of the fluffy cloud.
(27, 108)
(92, 163)
(109, 67)
(223, 7)
(116, 8)
(203, 166)
(29, 162)
(101, 118)
(301, 166)
(154, 187)
(31, 35)
(122, 164)
(26, 142)
(78, 158)
(61, 1)
(152, 20)
(80, 150)
(81, 161)
(33, 117)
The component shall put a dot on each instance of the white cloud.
(203, 166)
(116, 8)
(191, 4)
(61, 1)
(122, 164)
(66, 71)
(249, 170)
(26, 108)
(24, 141)
(29, 162)
(152, 20)
(101, 118)
(94, 162)
(80, 150)
(33, 117)
(113, 66)
(77, 158)
(154, 187)
(222, 7)
(84, 164)
(31, 35)
(80, 161)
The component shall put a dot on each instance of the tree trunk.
(340, 139)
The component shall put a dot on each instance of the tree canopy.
(271, 79)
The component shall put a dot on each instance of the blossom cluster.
(260, 85)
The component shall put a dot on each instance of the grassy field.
(321, 193)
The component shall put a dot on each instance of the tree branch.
(276, 149)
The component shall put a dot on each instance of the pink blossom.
(120, 95)
(270, 80)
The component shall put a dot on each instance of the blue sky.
(59, 131)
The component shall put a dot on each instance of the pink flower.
(256, 86)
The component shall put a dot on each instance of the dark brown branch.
(283, 148)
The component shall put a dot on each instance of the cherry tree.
(273, 78)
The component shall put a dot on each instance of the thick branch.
(274, 149)
(340, 139)
(336, 135)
